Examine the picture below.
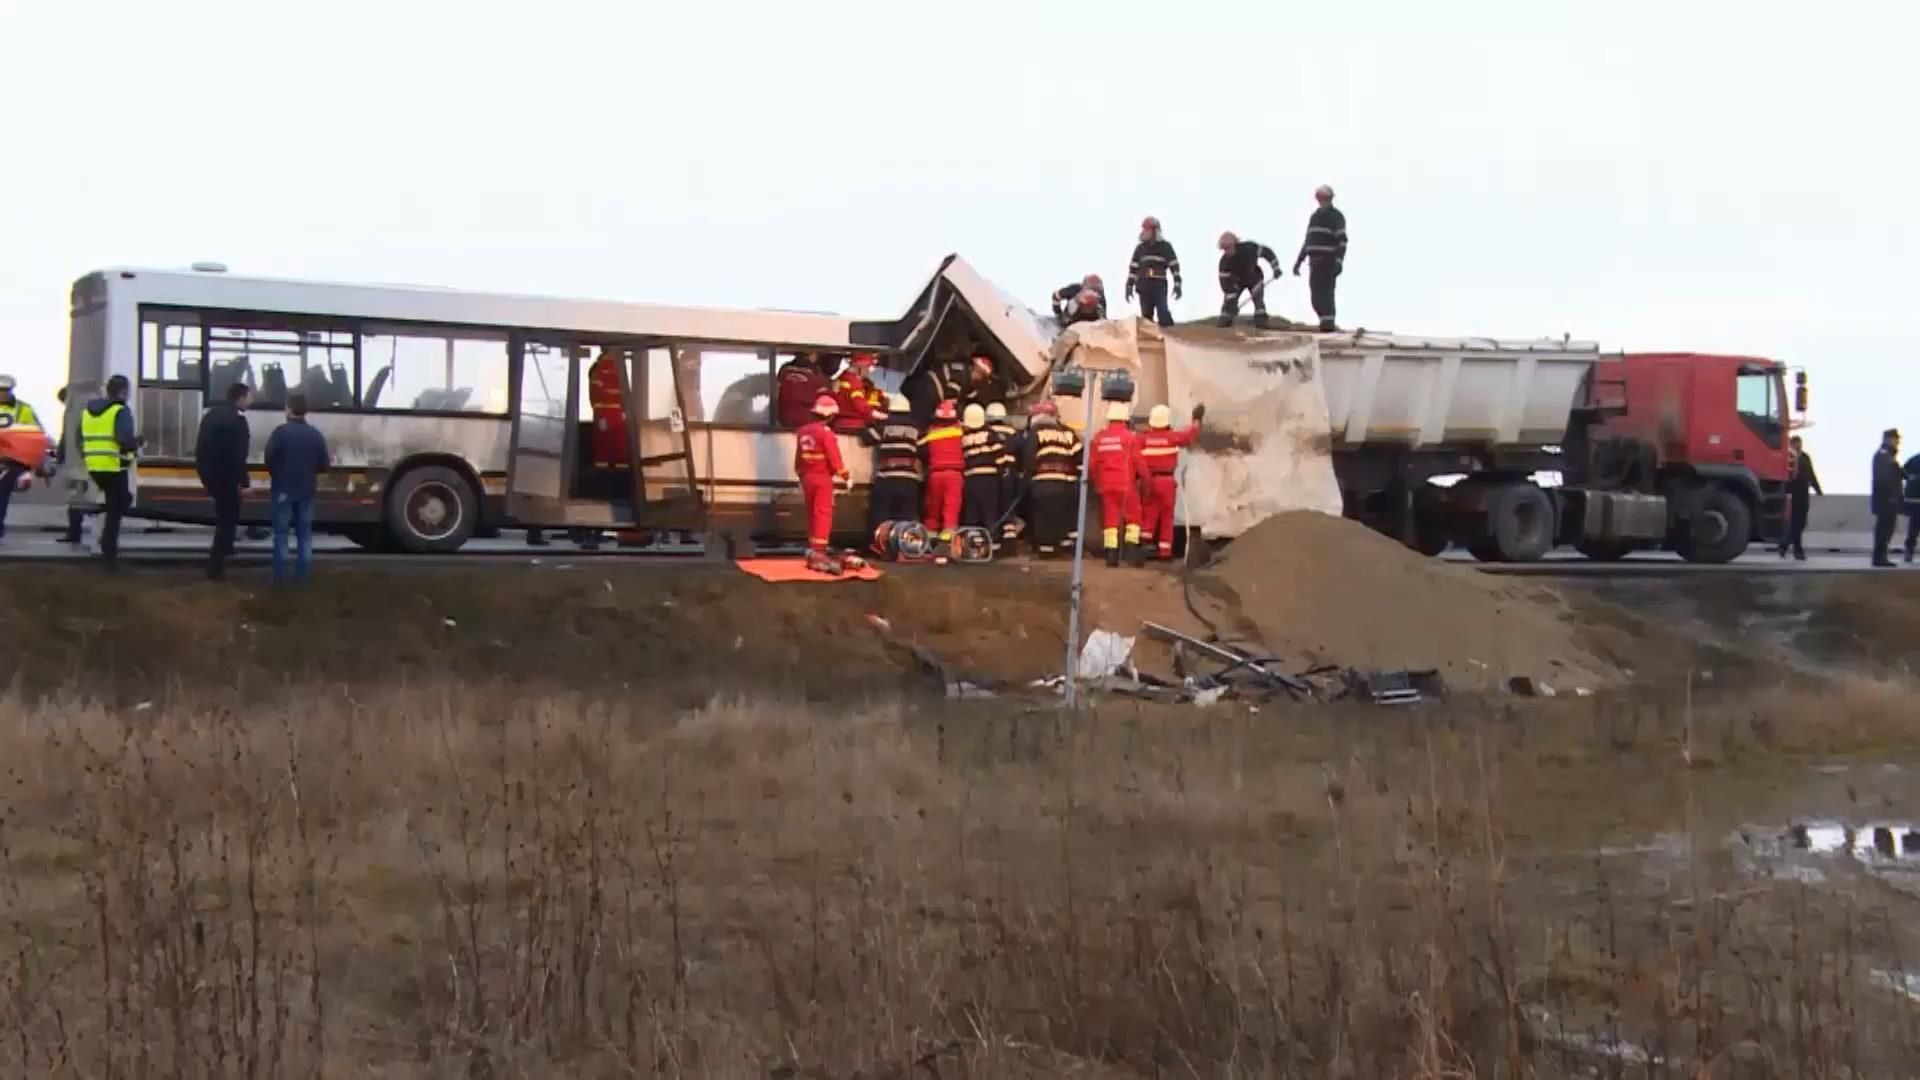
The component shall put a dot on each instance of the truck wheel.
(1718, 529)
(1430, 536)
(432, 510)
(368, 537)
(1486, 551)
(1606, 550)
(1520, 522)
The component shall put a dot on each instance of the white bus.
(453, 413)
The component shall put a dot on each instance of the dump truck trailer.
(1505, 448)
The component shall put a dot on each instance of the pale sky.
(1706, 175)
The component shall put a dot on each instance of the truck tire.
(432, 510)
(1520, 520)
(1718, 528)
(369, 537)
(1431, 536)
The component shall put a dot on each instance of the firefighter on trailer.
(1160, 448)
(1051, 463)
(1240, 272)
(1117, 468)
(980, 450)
(1325, 249)
(797, 386)
(816, 461)
(609, 413)
(1153, 263)
(1082, 301)
(1008, 464)
(940, 450)
(895, 495)
(859, 399)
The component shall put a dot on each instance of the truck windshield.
(1758, 397)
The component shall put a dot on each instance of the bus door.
(541, 465)
(660, 445)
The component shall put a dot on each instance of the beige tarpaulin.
(1265, 446)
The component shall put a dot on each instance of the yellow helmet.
(996, 411)
(1160, 417)
(974, 418)
(897, 403)
(1120, 411)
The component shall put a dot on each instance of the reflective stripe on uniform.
(99, 447)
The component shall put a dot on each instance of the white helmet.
(7, 383)
(1160, 417)
(996, 411)
(974, 418)
(898, 403)
(1120, 411)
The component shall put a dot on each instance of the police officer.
(1081, 301)
(1009, 466)
(1050, 457)
(1325, 247)
(895, 495)
(16, 415)
(980, 492)
(1240, 272)
(1153, 263)
(1889, 496)
(108, 443)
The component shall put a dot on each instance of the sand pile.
(1323, 589)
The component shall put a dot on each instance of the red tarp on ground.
(789, 569)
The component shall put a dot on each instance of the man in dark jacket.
(1802, 484)
(1082, 301)
(1240, 272)
(1888, 495)
(296, 456)
(1912, 472)
(220, 457)
(1153, 263)
(1325, 247)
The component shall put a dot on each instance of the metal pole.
(1080, 545)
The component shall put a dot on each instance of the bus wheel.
(432, 510)
(369, 537)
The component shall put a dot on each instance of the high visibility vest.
(97, 442)
(17, 413)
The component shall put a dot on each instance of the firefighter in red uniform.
(1116, 469)
(797, 386)
(945, 467)
(609, 414)
(816, 461)
(859, 399)
(1160, 449)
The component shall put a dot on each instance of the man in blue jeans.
(296, 456)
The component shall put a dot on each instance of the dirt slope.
(1324, 589)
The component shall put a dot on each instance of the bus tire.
(432, 510)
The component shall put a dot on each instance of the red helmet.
(1149, 222)
(862, 360)
(1044, 408)
(825, 405)
(983, 363)
(945, 411)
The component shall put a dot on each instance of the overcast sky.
(1738, 176)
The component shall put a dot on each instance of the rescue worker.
(1325, 248)
(895, 495)
(1083, 301)
(798, 385)
(108, 442)
(859, 399)
(609, 413)
(980, 491)
(16, 414)
(1008, 463)
(1153, 263)
(1240, 272)
(940, 450)
(1802, 485)
(1051, 462)
(1911, 470)
(959, 379)
(1160, 448)
(1889, 496)
(816, 461)
(1116, 467)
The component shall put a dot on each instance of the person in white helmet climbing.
(1154, 262)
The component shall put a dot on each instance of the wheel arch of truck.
(1738, 479)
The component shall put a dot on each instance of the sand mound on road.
(1326, 590)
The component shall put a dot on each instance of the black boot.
(1260, 321)
(1137, 556)
(1113, 557)
(1223, 321)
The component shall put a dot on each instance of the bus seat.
(318, 388)
(342, 386)
(456, 400)
(189, 371)
(378, 385)
(273, 386)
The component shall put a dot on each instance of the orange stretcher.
(780, 571)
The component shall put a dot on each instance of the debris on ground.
(1105, 653)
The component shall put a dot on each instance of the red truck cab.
(1705, 412)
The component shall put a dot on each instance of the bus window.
(461, 371)
(736, 388)
(170, 351)
(277, 361)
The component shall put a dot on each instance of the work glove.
(1296, 269)
(1177, 290)
(1129, 290)
(844, 482)
(1199, 413)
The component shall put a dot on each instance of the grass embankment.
(431, 880)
